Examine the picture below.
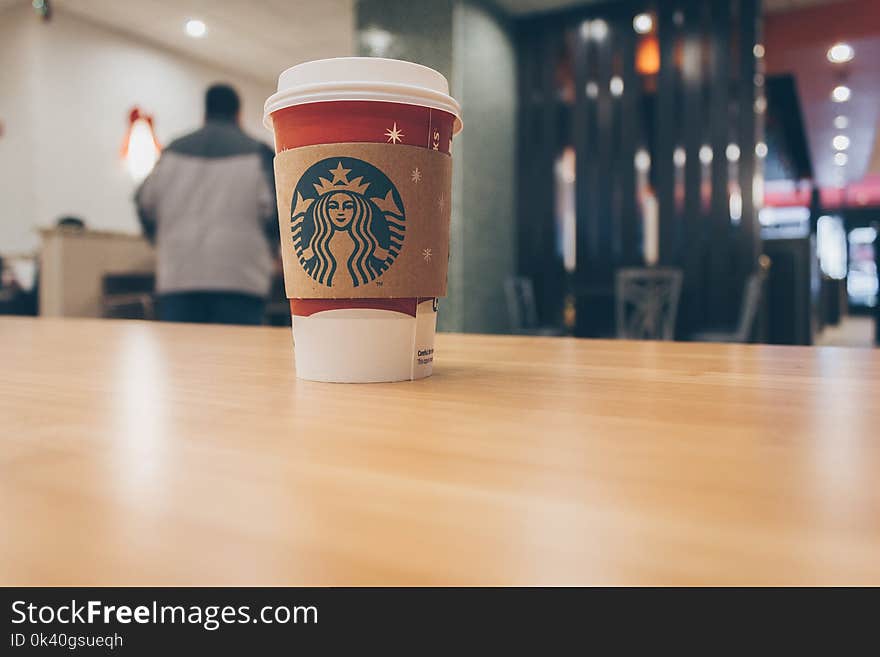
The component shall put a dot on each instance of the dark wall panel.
(702, 97)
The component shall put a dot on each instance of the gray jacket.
(209, 206)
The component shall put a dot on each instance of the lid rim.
(362, 90)
(371, 60)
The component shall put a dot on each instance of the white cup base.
(363, 345)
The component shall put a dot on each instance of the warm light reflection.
(141, 383)
(648, 55)
(140, 148)
(841, 464)
(142, 152)
(140, 391)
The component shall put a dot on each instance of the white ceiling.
(258, 38)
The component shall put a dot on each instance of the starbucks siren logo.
(347, 220)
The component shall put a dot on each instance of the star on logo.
(394, 135)
(427, 255)
(416, 175)
(441, 202)
(340, 174)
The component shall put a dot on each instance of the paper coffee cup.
(363, 175)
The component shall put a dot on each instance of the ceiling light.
(758, 50)
(732, 152)
(706, 154)
(840, 122)
(840, 159)
(761, 149)
(760, 104)
(592, 89)
(840, 53)
(616, 85)
(841, 93)
(643, 23)
(840, 142)
(642, 160)
(195, 28)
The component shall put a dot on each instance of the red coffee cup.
(348, 213)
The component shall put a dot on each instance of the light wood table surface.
(142, 453)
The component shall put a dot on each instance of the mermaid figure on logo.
(343, 230)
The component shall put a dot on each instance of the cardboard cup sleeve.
(364, 220)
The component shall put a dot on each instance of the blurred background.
(673, 169)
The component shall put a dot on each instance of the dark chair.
(646, 303)
(129, 295)
(522, 310)
(751, 303)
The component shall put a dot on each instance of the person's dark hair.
(71, 222)
(221, 102)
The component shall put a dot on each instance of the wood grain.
(138, 453)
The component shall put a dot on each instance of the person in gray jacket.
(209, 208)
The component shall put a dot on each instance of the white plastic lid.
(362, 78)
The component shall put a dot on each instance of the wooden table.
(139, 453)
